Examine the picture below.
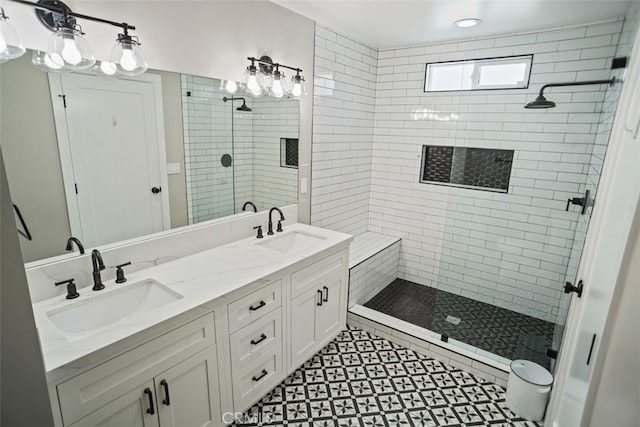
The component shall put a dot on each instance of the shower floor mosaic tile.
(362, 380)
(497, 330)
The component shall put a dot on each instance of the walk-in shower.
(494, 270)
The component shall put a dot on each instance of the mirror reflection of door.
(113, 126)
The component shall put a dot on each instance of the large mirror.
(107, 159)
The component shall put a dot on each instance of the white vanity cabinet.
(318, 305)
(171, 380)
(256, 344)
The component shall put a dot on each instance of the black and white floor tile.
(362, 380)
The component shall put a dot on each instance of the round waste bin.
(528, 389)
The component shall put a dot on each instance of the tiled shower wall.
(273, 119)
(343, 114)
(207, 128)
(512, 249)
(256, 174)
(627, 36)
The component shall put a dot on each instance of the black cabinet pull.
(156, 190)
(326, 294)
(257, 307)
(149, 394)
(319, 302)
(259, 340)
(261, 376)
(165, 385)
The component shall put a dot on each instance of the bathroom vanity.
(209, 334)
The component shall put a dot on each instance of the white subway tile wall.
(273, 119)
(373, 264)
(627, 36)
(207, 128)
(343, 115)
(511, 250)
(255, 175)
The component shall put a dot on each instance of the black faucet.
(279, 229)
(78, 243)
(98, 266)
(244, 207)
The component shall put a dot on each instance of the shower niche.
(467, 167)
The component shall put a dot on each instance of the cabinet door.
(135, 408)
(330, 314)
(303, 326)
(188, 393)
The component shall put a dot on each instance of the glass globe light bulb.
(231, 86)
(70, 52)
(252, 84)
(128, 60)
(108, 68)
(10, 45)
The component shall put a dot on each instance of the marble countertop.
(202, 280)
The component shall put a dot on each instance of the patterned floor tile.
(363, 380)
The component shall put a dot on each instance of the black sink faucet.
(244, 207)
(270, 232)
(78, 243)
(98, 266)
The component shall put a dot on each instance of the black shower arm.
(610, 81)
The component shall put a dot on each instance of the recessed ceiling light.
(467, 22)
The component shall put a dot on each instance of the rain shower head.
(243, 107)
(542, 102)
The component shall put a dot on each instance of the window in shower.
(510, 72)
(478, 168)
(289, 152)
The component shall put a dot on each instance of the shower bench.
(373, 264)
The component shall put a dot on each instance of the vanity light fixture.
(127, 56)
(278, 87)
(10, 45)
(467, 22)
(69, 51)
(267, 78)
(252, 81)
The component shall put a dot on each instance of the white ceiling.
(395, 23)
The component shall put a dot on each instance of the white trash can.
(528, 389)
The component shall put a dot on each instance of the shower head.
(542, 102)
(243, 107)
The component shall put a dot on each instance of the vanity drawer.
(94, 388)
(258, 338)
(315, 274)
(255, 305)
(255, 379)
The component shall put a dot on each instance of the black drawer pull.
(149, 394)
(261, 376)
(319, 302)
(166, 400)
(259, 340)
(326, 294)
(257, 307)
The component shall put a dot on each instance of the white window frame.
(478, 64)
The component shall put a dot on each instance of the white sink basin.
(80, 318)
(290, 242)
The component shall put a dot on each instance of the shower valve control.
(580, 201)
(568, 288)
